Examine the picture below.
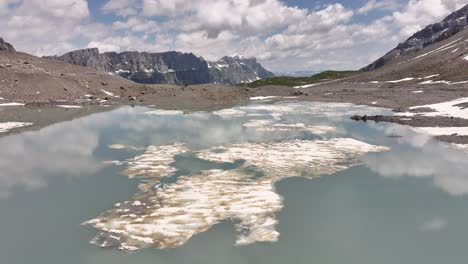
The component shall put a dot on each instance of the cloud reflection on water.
(446, 165)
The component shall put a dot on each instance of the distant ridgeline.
(168, 67)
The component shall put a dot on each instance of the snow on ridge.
(444, 47)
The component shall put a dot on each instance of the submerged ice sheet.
(272, 126)
(295, 158)
(168, 216)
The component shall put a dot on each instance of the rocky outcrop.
(6, 46)
(235, 70)
(168, 67)
(432, 34)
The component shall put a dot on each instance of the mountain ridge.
(431, 34)
(6, 46)
(170, 67)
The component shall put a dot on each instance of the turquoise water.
(405, 205)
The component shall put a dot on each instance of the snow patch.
(260, 98)
(5, 127)
(401, 80)
(70, 106)
(108, 93)
(443, 131)
(12, 104)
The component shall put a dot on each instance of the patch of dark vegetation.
(298, 81)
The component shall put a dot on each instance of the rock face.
(6, 46)
(432, 34)
(142, 67)
(234, 70)
(168, 67)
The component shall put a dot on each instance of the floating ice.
(168, 216)
(272, 126)
(164, 112)
(155, 162)
(230, 112)
(120, 146)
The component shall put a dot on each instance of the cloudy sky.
(286, 35)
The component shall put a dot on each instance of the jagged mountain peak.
(430, 35)
(237, 69)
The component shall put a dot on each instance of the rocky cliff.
(168, 67)
(430, 35)
(235, 70)
(6, 46)
(143, 67)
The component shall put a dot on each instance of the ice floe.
(7, 126)
(155, 162)
(230, 112)
(296, 157)
(121, 146)
(463, 147)
(168, 216)
(164, 112)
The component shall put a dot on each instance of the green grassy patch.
(298, 81)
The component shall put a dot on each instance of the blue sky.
(285, 35)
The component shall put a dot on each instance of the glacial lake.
(289, 182)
